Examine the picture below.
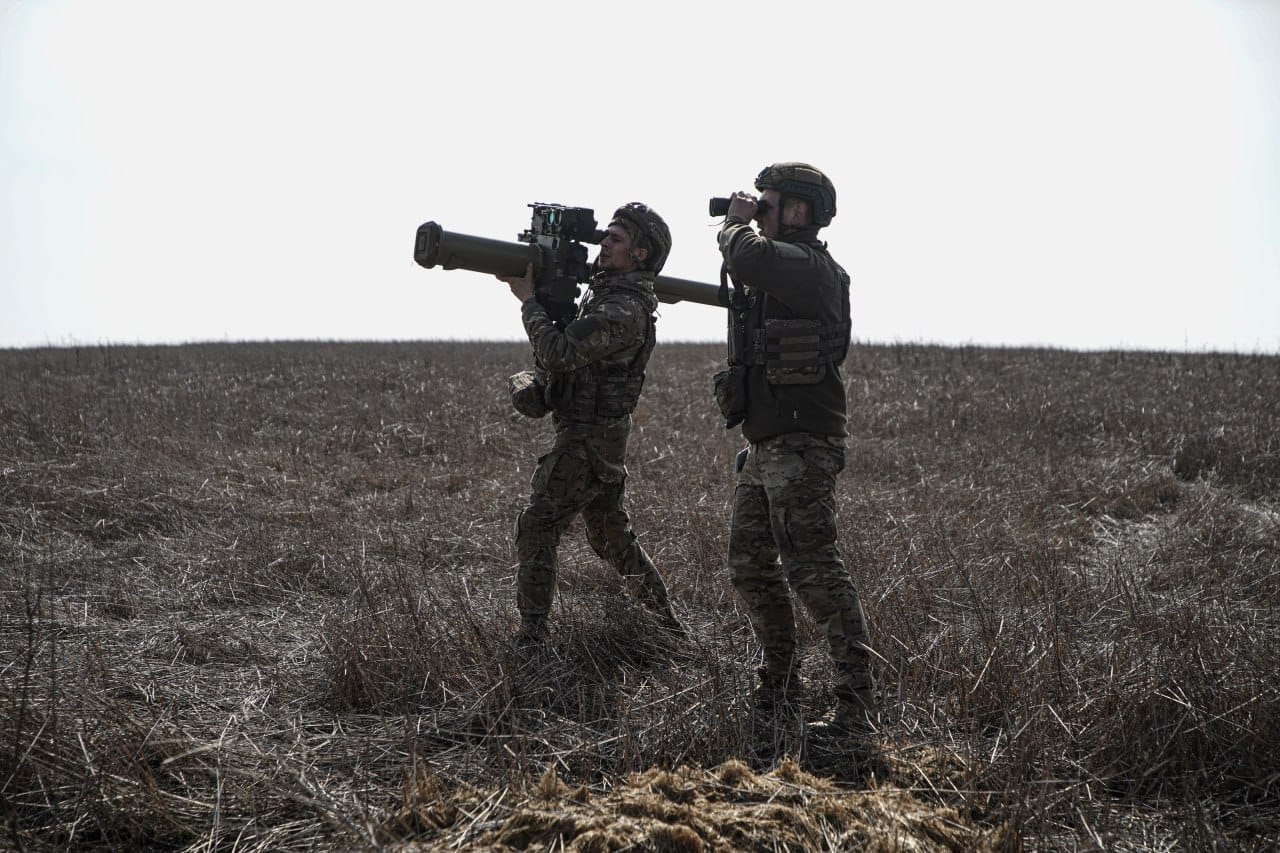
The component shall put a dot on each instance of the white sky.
(1085, 174)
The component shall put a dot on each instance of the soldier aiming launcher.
(553, 243)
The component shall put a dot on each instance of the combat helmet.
(647, 227)
(803, 181)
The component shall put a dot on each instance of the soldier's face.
(617, 251)
(769, 222)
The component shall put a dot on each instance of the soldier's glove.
(527, 394)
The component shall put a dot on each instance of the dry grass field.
(260, 597)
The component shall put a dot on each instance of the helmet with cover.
(802, 181)
(528, 394)
(647, 230)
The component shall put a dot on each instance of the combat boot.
(533, 634)
(668, 621)
(855, 716)
(844, 745)
(647, 587)
(857, 711)
(777, 723)
(777, 698)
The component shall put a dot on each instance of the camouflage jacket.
(792, 334)
(594, 367)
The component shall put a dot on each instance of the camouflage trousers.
(783, 540)
(565, 485)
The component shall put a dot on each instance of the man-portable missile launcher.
(555, 244)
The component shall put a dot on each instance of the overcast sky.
(1084, 174)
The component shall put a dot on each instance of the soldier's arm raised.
(773, 266)
(610, 327)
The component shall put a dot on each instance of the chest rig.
(792, 351)
(603, 392)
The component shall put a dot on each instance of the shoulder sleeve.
(786, 271)
(611, 324)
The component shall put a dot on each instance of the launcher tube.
(435, 247)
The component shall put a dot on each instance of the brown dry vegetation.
(260, 597)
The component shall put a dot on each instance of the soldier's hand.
(743, 206)
(521, 286)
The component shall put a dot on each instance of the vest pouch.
(562, 387)
(731, 395)
(793, 352)
(574, 396)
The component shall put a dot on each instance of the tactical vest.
(602, 393)
(793, 351)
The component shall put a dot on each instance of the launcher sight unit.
(554, 244)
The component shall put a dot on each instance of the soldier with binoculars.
(788, 335)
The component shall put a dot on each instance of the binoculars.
(720, 206)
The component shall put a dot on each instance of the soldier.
(789, 326)
(589, 377)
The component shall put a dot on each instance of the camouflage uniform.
(593, 371)
(789, 331)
